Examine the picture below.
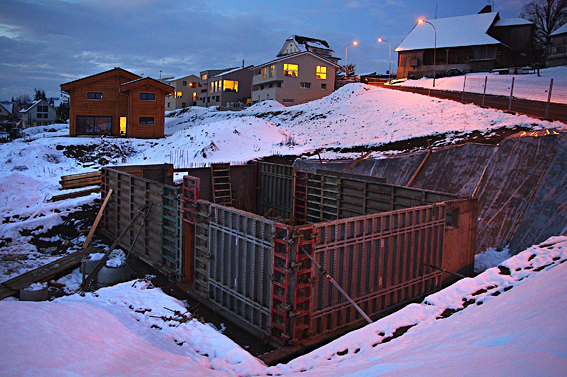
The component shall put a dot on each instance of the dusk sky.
(44, 43)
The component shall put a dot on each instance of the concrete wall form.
(160, 241)
(513, 209)
(377, 240)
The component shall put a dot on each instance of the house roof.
(459, 31)
(296, 55)
(7, 106)
(231, 71)
(34, 104)
(85, 80)
(146, 81)
(170, 79)
(303, 43)
(512, 22)
(561, 30)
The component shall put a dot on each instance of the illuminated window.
(123, 125)
(264, 70)
(146, 120)
(272, 68)
(147, 96)
(230, 86)
(321, 72)
(290, 70)
(91, 95)
(204, 76)
(305, 85)
(195, 96)
(178, 94)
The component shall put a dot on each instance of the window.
(90, 125)
(323, 86)
(230, 86)
(184, 83)
(147, 97)
(146, 120)
(169, 104)
(272, 68)
(264, 71)
(305, 85)
(321, 72)
(204, 76)
(290, 70)
(92, 95)
(194, 96)
(192, 84)
(178, 94)
(183, 104)
(123, 125)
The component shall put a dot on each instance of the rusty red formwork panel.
(190, 195)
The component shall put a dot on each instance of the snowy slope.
(507, 321)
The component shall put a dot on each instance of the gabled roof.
(7, 106)
(561, 30)
(99, 76)
(34, 104)
(302, 43)
(511, 22)
(146, 81)
(291, 56)
(452, 32)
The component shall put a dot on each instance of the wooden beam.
(97, 220)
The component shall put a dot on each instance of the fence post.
(511, 94)
(464, 83)
(548, 98)
(484, 93)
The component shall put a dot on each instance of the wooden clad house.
(117, 103)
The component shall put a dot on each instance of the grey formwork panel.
(160, 242)
(380, 260)
(276, 189)
(233, 261)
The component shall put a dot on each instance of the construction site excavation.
(292, 257)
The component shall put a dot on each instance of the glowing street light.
(434, 46)
(389, 57)
(346, 67)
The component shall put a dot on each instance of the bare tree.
(547, 15)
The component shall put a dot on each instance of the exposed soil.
(99, 154)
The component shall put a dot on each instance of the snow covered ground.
(507, 321)
(527, 86)
(113, 331)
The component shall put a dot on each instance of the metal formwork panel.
(238, 257)
(380, 260)
(158, 239)
(276, 185)
(322, 197)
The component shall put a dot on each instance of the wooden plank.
(98, 217)
(74, 194)
(50, 270)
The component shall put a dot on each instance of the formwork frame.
(161, 241)
(376, 240)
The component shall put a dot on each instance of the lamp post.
(434, 47)
(389, 57)
(346, 50)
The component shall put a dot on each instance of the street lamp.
(346, 67)
(434, 47)
(389, 58)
